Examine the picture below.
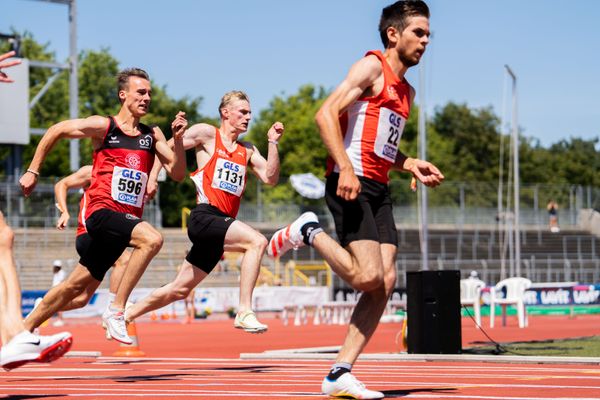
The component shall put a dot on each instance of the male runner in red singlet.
(361, 123)
(80, 179)
(220, 181)
(124, 151)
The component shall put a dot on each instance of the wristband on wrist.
(275, 142)
(34, 172)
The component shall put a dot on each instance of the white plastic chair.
(470, 295)
(515, 294)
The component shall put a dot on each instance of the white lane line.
(151, 392)
(295, 383)
(393, 365)
(363, 372)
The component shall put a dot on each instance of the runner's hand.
(424, 171)
(3, 77)
(28, 182)
(62, 221)
(179, 125)
(151, 189)
(276, 131)
(348, 185)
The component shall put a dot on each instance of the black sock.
(338, 370)
(309, 230)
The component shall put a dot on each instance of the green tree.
(300, 150)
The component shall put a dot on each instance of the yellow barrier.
(293, 272)
(298, 274)
(267, 276)
(185, 212)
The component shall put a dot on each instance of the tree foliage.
(463, 142)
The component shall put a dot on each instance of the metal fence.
(464, 220)
(453, 203)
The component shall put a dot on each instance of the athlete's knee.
(256, 240)
(260, 241)
(390, 280)
(370, 279)
(151, 239)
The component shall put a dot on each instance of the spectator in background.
(552, 208)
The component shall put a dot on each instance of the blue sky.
(272, 47)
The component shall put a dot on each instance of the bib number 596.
(125, 185)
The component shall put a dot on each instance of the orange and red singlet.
(221, 182)
(372, 127)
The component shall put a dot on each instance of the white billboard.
(14, 105)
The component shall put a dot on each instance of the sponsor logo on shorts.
(131, 216)
(227, 219)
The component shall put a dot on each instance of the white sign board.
(14, 105)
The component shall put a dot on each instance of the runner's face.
(137, 96)
(413, 40)
(239, 115)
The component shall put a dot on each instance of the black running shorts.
(82, 243)
(110, 232)
(207, 229)
(369, 217)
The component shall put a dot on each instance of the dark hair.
(123, 77)
(396, 14)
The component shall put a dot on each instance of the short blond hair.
(230, 97)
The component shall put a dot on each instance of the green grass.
(579, 347)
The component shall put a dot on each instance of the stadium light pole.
(73, 77)
(515, 143)
(423, 156)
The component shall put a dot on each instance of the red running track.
(201, 360)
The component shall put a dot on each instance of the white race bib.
(229, 177)
(389, 131)
(129, 186)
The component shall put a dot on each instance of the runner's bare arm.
(78, 179)
(172, 158)
(92, 127)
(268, 170)
(422, 170)
(196, 135)
(362, 76)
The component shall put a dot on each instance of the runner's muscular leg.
(84, 298)
(146, 242)
(241, 237)
(186, 280)
(11, 322)
(118, 269)
(371, 305)
(60, 295)
(360, 269)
